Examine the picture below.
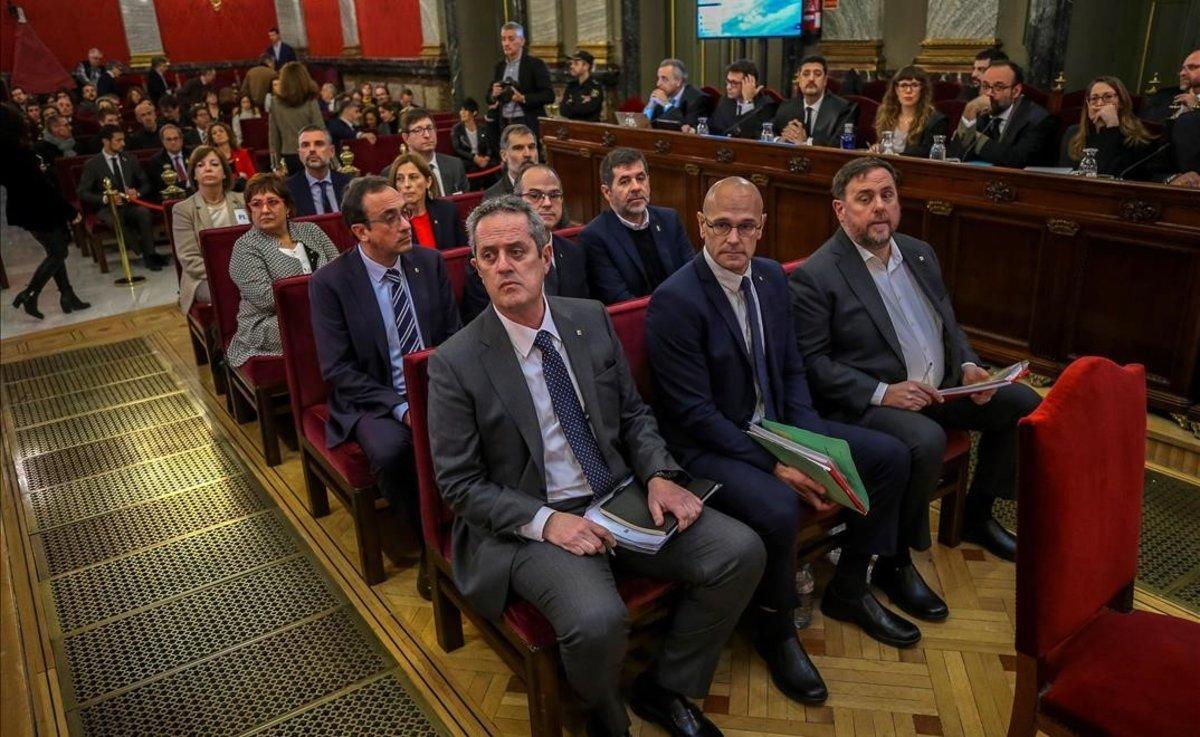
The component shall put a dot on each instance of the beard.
(871, 242)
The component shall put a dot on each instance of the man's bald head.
(731, 223)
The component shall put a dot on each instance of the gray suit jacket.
(454, 174)
(91, 180)
(487, 446)
(844, 330)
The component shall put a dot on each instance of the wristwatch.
(678, 477)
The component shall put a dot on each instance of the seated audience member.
(879, 337)
(473, 143)
(317, 188)
(246, 110)
(87, 101)
(107, 83)
(66, 107)
(215, 205)
(520, 530)
(133, 96)
(212, 101)
(57, 140)
(632, 246)
(984, 59)
(357, 96)
(156, 81)
(719, 337)
(389, 116)
(435, 223)
(1107, 124)
(815, 116)
(1002, 126)
(518, 149)
(146, 134)
(540, 186)
(221, 137)
(1173, 101)
(583, 98)
(273, 249)
(1185, 151)
(521, 87)
(174, 154)
(18, 96)
(406, 99)
(907, 112)
(201, 118)
(257, 82)
(345, 125)
(114, 163)
(292, 110)
(420, 135)
(169, 110)
(744, 107)
(674, 100)
(373, 124)
(276, 89)
(381, 95)
(88, 71)
(197, 88)
(413, 309)
(33, 116)
(327, 99)
(365, 90)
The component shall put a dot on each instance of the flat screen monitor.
(749, 18)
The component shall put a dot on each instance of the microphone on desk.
(1144, 159)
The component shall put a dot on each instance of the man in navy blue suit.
(720, 339)
(370, 307)
(317, 189)
(280, 52)
(633, 246)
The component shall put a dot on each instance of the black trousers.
(388, 445)
(56, 241)
(139, 228)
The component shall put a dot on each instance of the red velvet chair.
(946, 90)
(571, 234)
(865, 125)
(632, 104)
(456, 268)
(1087, 665)
(466, 202)
(874, 90)
(345, 469)
(255, 133)
(335, 227)
(259, 386)
(373, 158)
(952, 109)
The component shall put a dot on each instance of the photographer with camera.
(520, 84)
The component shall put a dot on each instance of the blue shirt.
(383, 295)
(322, 204)
(673, 102)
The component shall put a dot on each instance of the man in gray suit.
(879, 337)
(534, 415)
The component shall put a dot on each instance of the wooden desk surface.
(1040, 266)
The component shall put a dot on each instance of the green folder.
(828, 461)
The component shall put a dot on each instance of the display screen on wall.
(748, 18)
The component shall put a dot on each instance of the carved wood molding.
(692, 170)
(563, 133)
(1062, 226)
(585, 153)
(1139, 211)
(761, 180)
(662, 146)
(799, 164)
(609, 140)
(1000, 192)
(724, 155)
(939, 207)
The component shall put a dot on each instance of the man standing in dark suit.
(541, 187)
(156, 80)
(173, 155)
(719, 337)
(107, 84)
(674, 102)
(280, 52)
(521, 87)
(537, 416)
(745, 107)
(371, 307)
(632, 246)
(518, 149)
(318, 188)
(815, 116)
(878, 333)
(127, 178)
(583, 98)
(1002, 126)
(195, 90)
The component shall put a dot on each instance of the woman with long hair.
(222, 138)
(291, 111)
(36, 204)
(907, 112)
(1107, 124)
(435, 223)
(245, 110)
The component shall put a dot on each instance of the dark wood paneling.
(993, 274)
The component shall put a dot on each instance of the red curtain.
(323, 21)
(35, 69)
(192, 31)
(66, 32)
(389, 27)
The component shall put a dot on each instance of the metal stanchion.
(113, 197)
(170, 178)
(347, 159)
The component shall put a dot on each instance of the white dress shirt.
(1003, 118)
(297, 252)
(319, 199)
(731, 284)
(437, 175)
(564, 474)
(816, 110)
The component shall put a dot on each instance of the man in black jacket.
(745, 107)
(583, 99)
(521, 87)
(156, 80)
(1002, 126)
(146, 134)
(675, 102)
(984, 59)
(344, 127)
(814, 116)
(174, 154)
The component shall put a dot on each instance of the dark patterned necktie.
(758, 349)
(406, 316)
(571, 417)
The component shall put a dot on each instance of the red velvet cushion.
(456, 269)
(334, 225)
(571, 234)
(292, 306)
(347, 459)
(216, 246)
(629, 322)
(1134, 674)
(466, 202)
(264, 371)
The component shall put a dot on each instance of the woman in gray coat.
(213, 206)
(292, 111)
(274, 248)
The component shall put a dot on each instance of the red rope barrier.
(484, 172)
(147, 205)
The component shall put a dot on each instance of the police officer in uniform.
(584, 97)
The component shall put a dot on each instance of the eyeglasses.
(1105, 99)
(259, 203)
(424, 130)
(534, 196)
(998, 88)
(908, 86)
(723, 228)
(391, 218)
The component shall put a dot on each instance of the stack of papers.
(625, 512)
(999, 378)
(823, 459)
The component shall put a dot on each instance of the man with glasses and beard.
(1002, 126)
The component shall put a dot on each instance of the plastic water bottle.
(804, 588)
(1087, 165)
(887, 143)
(848, 137)
(768, 133)
(702, 126)
(937, 151)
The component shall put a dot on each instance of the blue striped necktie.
(406, 316)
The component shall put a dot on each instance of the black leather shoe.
(992, 537)
(424, 589)
(871, 616)
(791, 670)
(152, 263)
(27, 300)
(908, 591)
(669, 710)
(69, 302)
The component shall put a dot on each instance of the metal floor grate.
(248, 686)
(86, 497)
(380, 708)
(82, 379)
(60, 407)
(57, 363)
(104, 424)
